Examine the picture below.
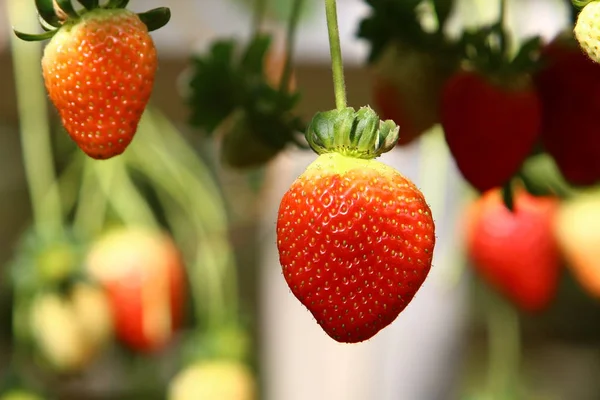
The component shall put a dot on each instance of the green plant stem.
(92, 203)
(290, 42)
(258, 15)
(34, 127)
(212, 269)
(337, 64)
(123, 195)
(504, 345)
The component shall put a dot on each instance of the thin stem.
(337, 64)
(124, 196)
(34, 127)
(290, 42)
(258, 15)
(92, 203)
(504, 348)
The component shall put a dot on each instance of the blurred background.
(222, 220)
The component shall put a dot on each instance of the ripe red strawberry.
(355, 237)
(99, 70)
(515, 252)
(143, 275)
(490, 129)
(567, 86)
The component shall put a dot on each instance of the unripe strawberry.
(587, 30)
(355, 237)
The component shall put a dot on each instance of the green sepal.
(155, 18)
(46, 26)
(90, 4)
(392, 20)
(359, 134)
(581, 3)
(508, 196)
(45, 9)
(117, 4)
(67, 7)
(34, 37)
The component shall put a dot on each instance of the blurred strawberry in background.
(71, 329)
(515, 251)
(142, 272)
(578, 233)
(565, 85)
(214, 380)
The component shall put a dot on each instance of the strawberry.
(578, 234)
(406, 89)
(566, 86)
(214, 380)
(587, 30)
(99, 69)
(143, 275)
(515, 252)
(355, 237)
(71, 330)
(490, 129)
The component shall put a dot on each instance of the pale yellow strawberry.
(578, 234)
(587, 30)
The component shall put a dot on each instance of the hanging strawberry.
(237, 93)
(214, 380)
(355, 237)
(515, 251)
(567, 86)
(578, 233)
(409, 63)
(143, 276)
(490, 111)
(99, 69)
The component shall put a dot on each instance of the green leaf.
(390, 21)
(89, 4)
(67, 7)
(46, 11)
(117, 4)
(254, 57)
(28, 37)
(156, 18)
(528, 55)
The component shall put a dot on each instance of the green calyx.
(582, 3)
(359, 134)
(53, 14)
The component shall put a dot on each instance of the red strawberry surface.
(99, 72)
(568, 86)
(356, 241)
(515, 252)
(490, 129)
(143, 275)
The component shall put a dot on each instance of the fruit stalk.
(503, 346)
(34, 127)
(337, 65)
(284, 84)
(258, 15)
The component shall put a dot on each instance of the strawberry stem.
(34, 127)
(91, 207)
(290, 41)
(258, 16)
(335, 47)
(504, 348)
